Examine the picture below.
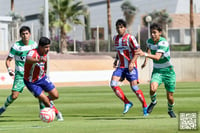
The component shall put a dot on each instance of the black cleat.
(171, 114)
(150, 107)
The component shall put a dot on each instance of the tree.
(109, 25)
(12, 5)
(87, 22)
(160, 17)
(192, 32)
(129, 13)
(67, 14)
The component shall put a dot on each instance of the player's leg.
(171, 104)
(153, 89)
(49, 87)
(42, 97)
(53, 94)
(170, 84)
(114, 84)
(18, 86)
(132, 77)
(156, 80)
(120, 94)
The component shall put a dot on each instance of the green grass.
(98, 110)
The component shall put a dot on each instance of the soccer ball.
(47, 114)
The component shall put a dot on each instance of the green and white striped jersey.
(19, 52)
(162, 46)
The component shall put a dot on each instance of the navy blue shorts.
(37, 87)
(124, 73)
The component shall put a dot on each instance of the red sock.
(56, 111)
(140, 96)
(118, 91)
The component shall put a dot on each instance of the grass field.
(98, 110)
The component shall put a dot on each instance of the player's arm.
(32, 58)
(146, 59)
(134, 47)
(10, 70)
(157, 56)
(115, 61)
(132, 62)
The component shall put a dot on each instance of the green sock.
(153, 98)
(170, 106)
(41, 104)
(8, 101)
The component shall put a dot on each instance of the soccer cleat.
(145, 111)
(59, 116)
(127, 107)
(2, 110)
(171, 114)
(150, 107)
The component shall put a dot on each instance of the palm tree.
(129, 13)
(67, 14)
(109, 25)
(12, 5)
(87, 22)
(193, 43)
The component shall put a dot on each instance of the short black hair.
(44, 41)
(121, 22)
(24, 28)
(156, 26)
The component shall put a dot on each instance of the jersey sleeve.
(32, 53)
(163, 46)
(12, 51)
(147, 43)
(134, 43)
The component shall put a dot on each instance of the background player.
(18, 51)
(126, 45)
(163, 71)
(35, 78)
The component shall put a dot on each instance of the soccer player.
(18, 51)
(126, 45)
(163, 71)
(35, 77)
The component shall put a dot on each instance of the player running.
(126, 45)
(35, 77)
(163, 71)
(18, 51)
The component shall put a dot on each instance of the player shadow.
(125, 118)
(16, 120)
(122, 117)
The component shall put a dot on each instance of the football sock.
(41, 104)
(170, 106)
(53, 107)
(49, 97)
(140, 96)
(8, 101)
(118, 91)
(153, 98)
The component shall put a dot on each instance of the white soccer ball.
(47, 115)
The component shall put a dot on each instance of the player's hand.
(11, 72)
(143, 65)
(115, 64)
(139, 52)
(43, 59)
(130, 66)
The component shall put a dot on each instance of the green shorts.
(166, 76)
(18, 84)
